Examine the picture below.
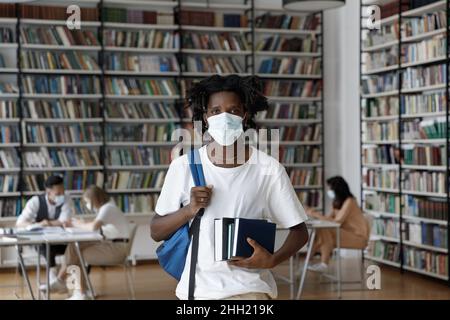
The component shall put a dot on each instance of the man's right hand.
(200, 198)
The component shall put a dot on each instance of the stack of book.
(139, 156)
(284, 44)
(436, 209)
(301, 133)
(8, 109)
(306, 177)
(418, 77)
(141, 63)
(425, 50)
(124, 180)
(385, 250)
(9, 134)
(9, 183)
(284, 21)
(9, 208)
(48, 60)
(303, 154)
(6, 35)
(433, 102)
(283, 88)
(291, 65)
(211, 19)
(289, 111)
(146, 39)
(136, 203)
(55, 12)
(219, 41)
(384, 154)
(428, 22)
(425, 129)
(386, 227)
(427, 234)
(377, 178)
(58, 35)
(73, 180)
(140, 132)
(424, 155)
(137, 16)
(124, 86)
(382, 202)
(70, 133)
(212, 64)
(9, 159)
(56, 158)
(8, 10)
(7, 87)
(142, 110)
(61, 109)
(424, 181)
(379, 131)
(379, 107)
(380, 59)
(379, 84)
(61, 85)
(392, 8)
(427, 261)
(313, 199)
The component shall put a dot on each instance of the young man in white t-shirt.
(242, 183)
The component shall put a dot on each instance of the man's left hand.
(260, 259)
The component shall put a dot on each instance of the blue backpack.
(172, 252)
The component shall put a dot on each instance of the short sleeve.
(29, 213)
(175, 191)
(66, 209)
(102, 214)
(283, 205)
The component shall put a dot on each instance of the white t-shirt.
(258, 189)
(115, 225)
(29, 213)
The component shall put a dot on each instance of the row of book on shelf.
(123, 86)
(411, 154)
(157, 39)
(415, 258)
(417, 181)
(412, 78)
(424, 233)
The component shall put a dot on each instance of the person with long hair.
(354, 230)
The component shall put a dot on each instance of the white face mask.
(225, 128)
(59, 200)
(331, 194)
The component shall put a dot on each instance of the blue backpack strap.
(199, 167)
(193, 166)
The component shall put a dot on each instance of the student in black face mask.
(53, 208)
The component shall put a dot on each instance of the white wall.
(341, 92)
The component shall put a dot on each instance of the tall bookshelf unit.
(404, 136)
(121, 142)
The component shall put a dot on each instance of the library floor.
(152, 283)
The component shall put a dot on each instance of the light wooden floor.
(151, 282)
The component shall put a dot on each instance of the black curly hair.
(247, 88)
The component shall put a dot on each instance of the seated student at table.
(53, 208)
(111, 222)
(354, 231)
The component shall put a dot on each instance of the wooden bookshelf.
(411, 208)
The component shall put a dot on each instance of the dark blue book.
(262, 231)
(231, 235)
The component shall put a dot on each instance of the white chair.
(126, 264)
(361, 269)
